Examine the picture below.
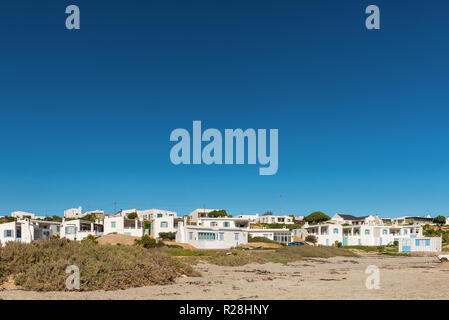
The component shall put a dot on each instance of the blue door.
(345, 241)
(406, 245)
(327, 242)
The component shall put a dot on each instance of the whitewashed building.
(275, 219)
(420, 244)
(162, 224)
(79, 229)
(367, 234)
(150, 214)
(123, 225)
(73, 213)
(197, 214)
(250, 217)
(278, 235)
(27, 230)
(214, 233)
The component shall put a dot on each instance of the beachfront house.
(123, 225)
(279, 235)
(79, 229)
(28, 230)
(420, 244)
(213, 233)
(364, 233)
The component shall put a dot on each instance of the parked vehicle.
(296, 244)
(444, 257)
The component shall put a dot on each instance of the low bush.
(260, 239)
(41, 266)
(147, 242)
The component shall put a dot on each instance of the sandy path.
(334, 278)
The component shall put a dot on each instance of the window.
(236, 236)
(164, 224)
(70, 230)
(159, 215)
(209, 236)
(384, 231)
(213, 224)
(335, 231)
(112, 224)
(8, 233)
(221, 236)
(427, 242)
(226, 224)
(58, 228)
(47, 233)
(190, 235)
(18, 233)
(405, 231)
(367, 231)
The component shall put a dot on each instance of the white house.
(214, 233)
(123, 225)
(366, 234)
(275, 219)
(352, 220)
(249, 217)
(22, 215)
(278, 235)
(73, 213)
(27, 230)
(162, 224)
(147, 214)
(150, 214)
(199, 213)
(420, 244)
(79, 229)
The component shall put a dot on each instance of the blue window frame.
(190, 235)
(384, 231)
(7, 233)
(427, 242)
(335, 231)
(208, 236)
(164, 224)
(236, 236)
(221, 236)
(226, 224)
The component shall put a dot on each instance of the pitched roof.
(350, 217)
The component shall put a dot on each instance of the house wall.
(117, 224)
(3, 228)
(220, 238)
(420, 244)
(159, 225)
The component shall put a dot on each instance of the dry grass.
(243, 257)
(41, 266)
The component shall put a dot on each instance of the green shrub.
(41, 266)
(260, 239)
(147, 242)
(90, 238)
(167, 235)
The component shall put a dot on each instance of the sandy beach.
(333, 278)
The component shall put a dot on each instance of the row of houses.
(204, 232)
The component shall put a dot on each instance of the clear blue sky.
(362, 115)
